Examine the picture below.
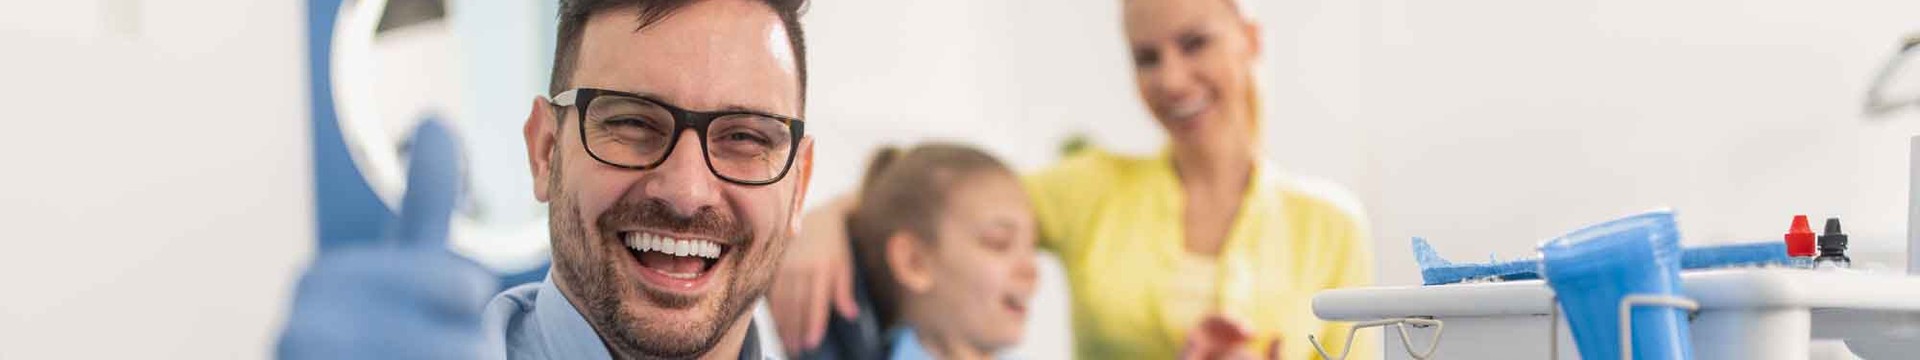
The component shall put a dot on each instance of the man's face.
(708, 56)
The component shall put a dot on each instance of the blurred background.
(161, 193)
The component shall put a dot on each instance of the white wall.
(156, 202)
(1493, 124)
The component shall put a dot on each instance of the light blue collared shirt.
(906, 346)
(535, 321)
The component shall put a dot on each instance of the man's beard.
(599, 286)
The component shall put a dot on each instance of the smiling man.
(672, 158)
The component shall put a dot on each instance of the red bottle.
(1800, 238)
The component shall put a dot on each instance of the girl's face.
(982, 264)
(1193, 61)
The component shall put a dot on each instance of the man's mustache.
(658, 214)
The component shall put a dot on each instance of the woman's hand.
(1221, 338)
(815, 278)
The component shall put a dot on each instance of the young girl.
(944, 238)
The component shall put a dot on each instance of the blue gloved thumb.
(416, 300)
(435, 181)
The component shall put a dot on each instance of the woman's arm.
(815, 278)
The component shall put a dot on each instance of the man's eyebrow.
(744, 108)
(724, 108)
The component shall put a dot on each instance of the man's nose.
(683, 180)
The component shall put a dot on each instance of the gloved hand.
(407, 296)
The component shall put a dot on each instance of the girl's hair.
(906, 191)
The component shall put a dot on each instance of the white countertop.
(1714, 289)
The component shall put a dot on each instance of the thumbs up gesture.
(407, 296)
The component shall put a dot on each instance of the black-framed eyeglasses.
(637, 132)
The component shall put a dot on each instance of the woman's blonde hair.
(1255, 105)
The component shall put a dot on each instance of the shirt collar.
(566, 333)
(906, 346)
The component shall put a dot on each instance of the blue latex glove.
(406, 297)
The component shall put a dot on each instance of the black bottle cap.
(1833, 242)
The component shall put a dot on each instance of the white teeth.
(1189, 108)
(644, 242)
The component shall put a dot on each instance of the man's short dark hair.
(573, 23)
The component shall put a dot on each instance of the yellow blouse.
(1116, 223)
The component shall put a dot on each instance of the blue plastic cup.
(1592, 269)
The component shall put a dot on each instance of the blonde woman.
(1202, 251)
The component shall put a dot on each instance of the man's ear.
(802, 174)
(539, 131)
(908, 262)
